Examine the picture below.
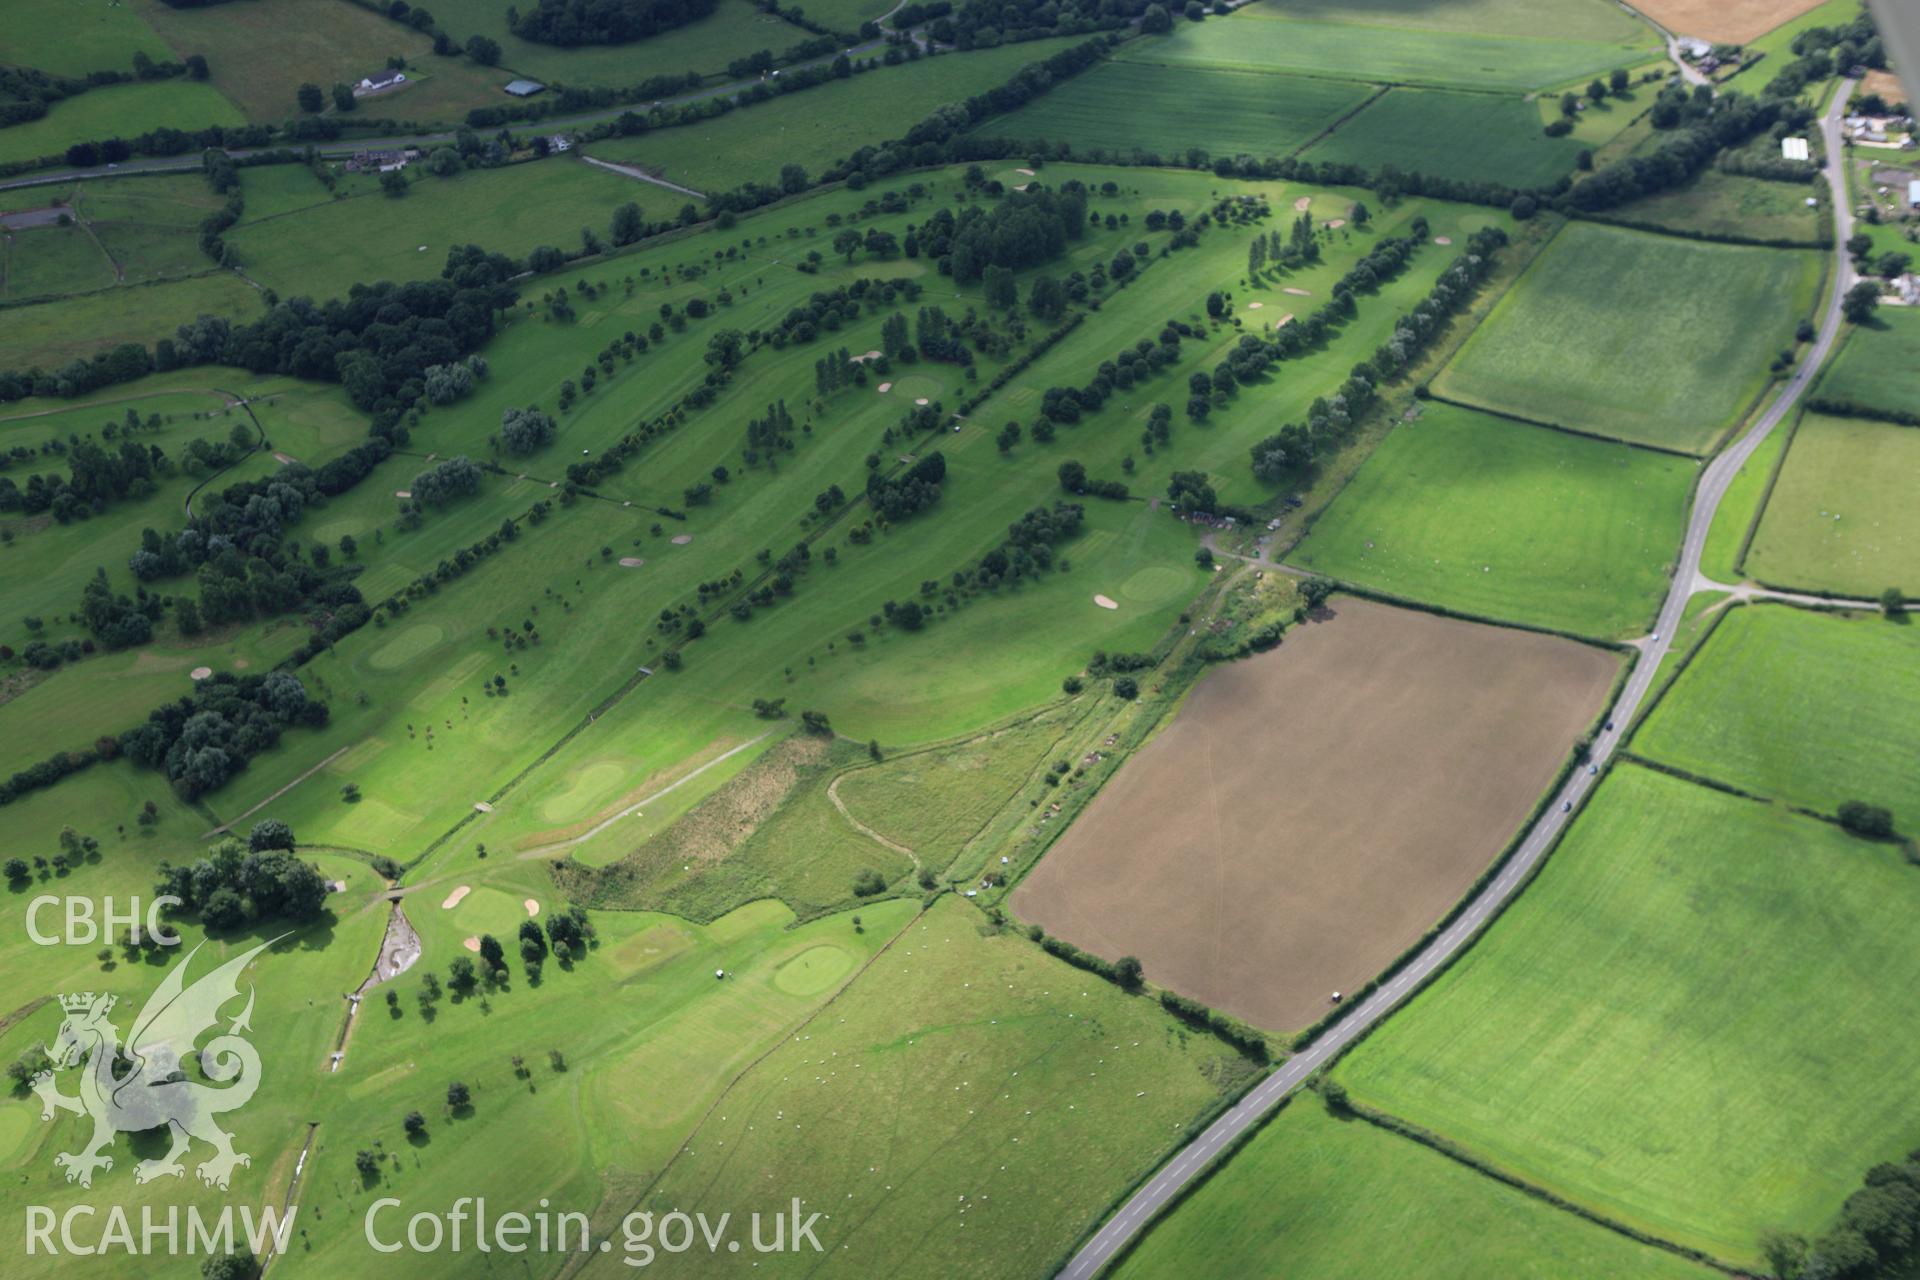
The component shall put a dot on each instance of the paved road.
(1193, 1158)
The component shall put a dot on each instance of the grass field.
(1740, 507)
(1510, 521)
(1693, 975)
(49, 334)
(1595, 336)
(1486, 44)
(1879, 368)
(150, 227)
(68, 39)
(966, 1089)
(117, 111)
(1124, 107)
(736, 29)
(1474, 137)
(1316, 1198)
(44, 262)
(818, 126)
(1725, 204)
(1225, 885)
(1839, 518)
(261, 51)
(1800, 706)
(324, 249)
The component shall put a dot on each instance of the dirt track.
(1312, 811)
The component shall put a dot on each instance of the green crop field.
(1594, 337)
(816, 127)
(1125, 107)
(1473, 137)
(1839, 518)
(1801, 706)
(1317, 1198)
(1493, 44)
(324, 249)
(1510, 521)
(117, 111)
(1626, 1025)
(261, 51)
(1879, 368)
(1725, 204)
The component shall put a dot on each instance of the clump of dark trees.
(1877, 1238)
(236, 885)
(894, 498)
(206, 737)
(578, 22)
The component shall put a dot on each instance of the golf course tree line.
(1877, 1237)
(1330, 420)
(1702, 126)
(577, 22)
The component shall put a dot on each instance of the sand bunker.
(1443, 239)
(471, 944)
(921, 400)
(884, 387)
(862, 359)
(403, 493)
(1106, 602)
(201, 673)
(1337, 223)
(682, 539)
(1283, 321)
(284, 459)
(481, 806)
(533, 906)
(453, 899)
(1303, 204)
(1255, 306)
(1028, 172)
(1019, 186)
(631, 562)
(1298, 293)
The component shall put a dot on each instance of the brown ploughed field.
(1310, 812)
(1731, 21)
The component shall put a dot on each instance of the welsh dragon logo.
(140, 1085)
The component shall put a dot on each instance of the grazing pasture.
(817, 126)
(734, 30)
(1716, 203)
(1210, 855)
(1600, 336)
(1499, 518)
(1315, 1197)
(261, 51)
(1124, 107)
(324, 249)
(1805, 707)
(1473, 137)
(1489, 44)
(1019, 1095)
(45, 262)
(150, 227)
(1841, 517)
(1692, 974)
(49, 334)
(118, 110)
(67, 39)
(1879, 367)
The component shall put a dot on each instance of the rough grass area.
(816, 127)
(1692, 975)
(1727, 204)
(63, 38)
(1487, 44)
(116, 111)
(969, 1104)
(1124, 107)
(1318, 1198)
(1879, 368)
(1841, 517)
(1495, 517)
(49, 334)
(46, 262)
(1260, 867)
(1641, 337)
(1805, 707)
(1473, 137)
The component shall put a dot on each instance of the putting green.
(1155, 584)
(490, 911)
(813, 970)
(405, 647)
(584, 790)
